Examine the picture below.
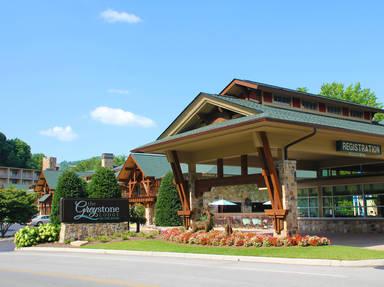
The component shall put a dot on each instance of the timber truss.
(267, 179)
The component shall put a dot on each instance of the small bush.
(29, 236)
(125, 237)
(90, 239)
(103, 238)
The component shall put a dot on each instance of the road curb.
(6, 239)
(255, 259)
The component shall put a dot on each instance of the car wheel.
(39, 223)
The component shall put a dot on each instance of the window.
(356, 114)
(374, 199)
(334, 110)
(282, 100)
(308, 202)
(310, 105)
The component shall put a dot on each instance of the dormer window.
(310, 105)
(282, 100)
(334, 110)
(357, 114)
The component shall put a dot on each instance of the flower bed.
(240, 239)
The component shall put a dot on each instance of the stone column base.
(149, 213)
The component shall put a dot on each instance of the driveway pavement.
(368, 240)
(71, 269)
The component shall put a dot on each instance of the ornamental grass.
(240, 239)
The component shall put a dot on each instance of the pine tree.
(104, 184)
(168, 203)
(69, 185)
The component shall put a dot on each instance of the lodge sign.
(356, 147)
(87, 210)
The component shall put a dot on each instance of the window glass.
(334, 110)
(308, 202)
(309, 105)
(356, 114)
(282, 99)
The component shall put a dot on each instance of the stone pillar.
(149, 213)
(287, 176)
(195, 200)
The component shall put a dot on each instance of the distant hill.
(89, 164)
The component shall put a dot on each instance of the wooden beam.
(244, 164)
(220, 168)
(203, 185)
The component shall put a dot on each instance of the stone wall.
(80, 231)
(348, 225)
(236, 193)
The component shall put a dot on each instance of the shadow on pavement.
(7, 245)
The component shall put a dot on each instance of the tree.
(354, 93)
(104, 184)
(168, 203)
(137, 215)
(69, 185)
(92, 163)
(36, 161)
(16, 206)
(302, 89)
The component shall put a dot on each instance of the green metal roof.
(152, 164)
(52, 177)
(276, 113)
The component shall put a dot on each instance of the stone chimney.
(49, 163)
(107, 160)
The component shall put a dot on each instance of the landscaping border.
(255, 259)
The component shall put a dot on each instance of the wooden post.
(244, 164)
(220, 168)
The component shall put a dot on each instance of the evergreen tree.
(168, 203)
(104, 184)
(69, 185)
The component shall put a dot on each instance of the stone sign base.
(80, 231)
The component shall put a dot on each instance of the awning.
(44, 198)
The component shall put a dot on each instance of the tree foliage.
(69, 185)
(104, 184)
(353, 93)
(168, 203)
(16, 206)
(92, 163)
(17, 153)
(302, 89)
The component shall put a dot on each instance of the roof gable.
(205, 110)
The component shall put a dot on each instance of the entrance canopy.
(254, 125)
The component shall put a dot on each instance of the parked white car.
(38, 220)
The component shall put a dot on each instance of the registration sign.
(357, 147)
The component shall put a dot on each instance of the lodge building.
(271, 133)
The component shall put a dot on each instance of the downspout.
(297, 141)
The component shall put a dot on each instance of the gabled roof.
(52, 177)
(152, 165)
(253, 84)
(264, 112)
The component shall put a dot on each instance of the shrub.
(238, 239)
(69, 185)
(29, 236)
(90, 239)
(167, 204)
(103, 238)
(104, 184)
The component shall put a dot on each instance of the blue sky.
(79, 78)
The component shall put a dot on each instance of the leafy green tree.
(36, 161)
(92, 163)
(16, 206)
(19, 154)
(354, 93)
(69, 185)
(168, 203)
(104, 184)
(137, 215)
(302, 89)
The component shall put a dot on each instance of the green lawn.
(323, 252)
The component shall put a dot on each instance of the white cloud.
(113, 16)
(118, 91)
(120, 117)
(61, 133)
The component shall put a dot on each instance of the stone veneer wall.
(348, 225)
(237, 193)
(80, 231)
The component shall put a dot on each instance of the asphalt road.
(30, 268)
